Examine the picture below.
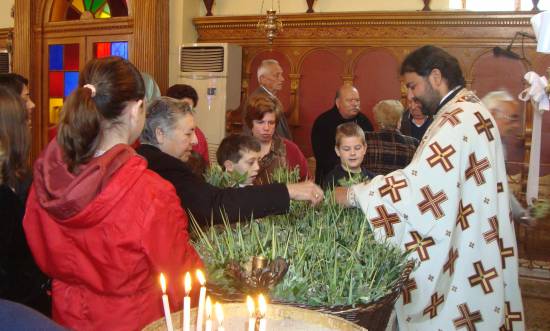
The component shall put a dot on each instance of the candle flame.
(187, 283)
(208, 307)
(219, 312)
(200, 277)
(250, 305)
(262, 305)
(163, 283)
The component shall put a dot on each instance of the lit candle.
(202, 297)
(219, 316)
(165, 304)
(208, 323)
(187, 303)
(251, 313)
(262, 307)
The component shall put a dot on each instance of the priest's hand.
(305, 191)
(341, 196)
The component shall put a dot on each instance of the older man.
(347, 108)
(414, 122)
(449, 208)
(270, 78)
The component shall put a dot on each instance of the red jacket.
(104, 236)
(202, 145)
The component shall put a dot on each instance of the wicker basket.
(373, 316)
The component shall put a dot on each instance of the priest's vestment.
(450, 208)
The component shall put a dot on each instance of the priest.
(449, 208)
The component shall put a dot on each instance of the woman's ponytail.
(79, 128)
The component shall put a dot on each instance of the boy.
(241, 154)
(350, 148)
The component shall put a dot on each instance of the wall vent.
(202, 59)
(4, 61)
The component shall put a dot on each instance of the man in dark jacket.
(347, 108)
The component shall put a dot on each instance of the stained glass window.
(62, 76)
(117, 48)
(88, 9)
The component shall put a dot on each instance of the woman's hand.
(305, 191)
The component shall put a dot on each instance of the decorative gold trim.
(373, 19)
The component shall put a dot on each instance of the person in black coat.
(167, 139)
(347, 108)
(20, 279)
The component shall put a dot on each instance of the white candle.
(187, 303)
(165, 304)
(202, 297)
(262, 306)
(208, 323)
(251, 313)
(219, 316)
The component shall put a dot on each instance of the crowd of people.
(113, 193)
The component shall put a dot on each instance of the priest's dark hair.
(424, 59)
(113, 82)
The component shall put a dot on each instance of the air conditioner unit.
(214, 70)
(5, 61)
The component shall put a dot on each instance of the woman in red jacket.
(98, 221)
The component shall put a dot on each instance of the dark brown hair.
(116, 82)
(427, 58)
(232, 148)
(258, 105)
(14, 138)
(14, 81)
(180, 91)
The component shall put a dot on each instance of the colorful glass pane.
(120, 49)
(71, 57)
(56, 57)
(56, 84)
(96, 4)
(87, 4)
(102, 50)
(102, 14)
(56, 104)
(107, 9)
(79, 5)
(71, 82)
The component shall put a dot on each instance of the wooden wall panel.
(376, 76)
(317, 90)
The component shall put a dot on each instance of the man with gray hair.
(270, 79)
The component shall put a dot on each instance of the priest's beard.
(430, 100)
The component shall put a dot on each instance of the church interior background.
(362, 43)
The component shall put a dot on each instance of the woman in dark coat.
(20, 279)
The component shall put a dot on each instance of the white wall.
(252, 7)
(6, 21)
(181, 31)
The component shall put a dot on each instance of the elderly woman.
(387, 148)
(262, 116)
(166, 143)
